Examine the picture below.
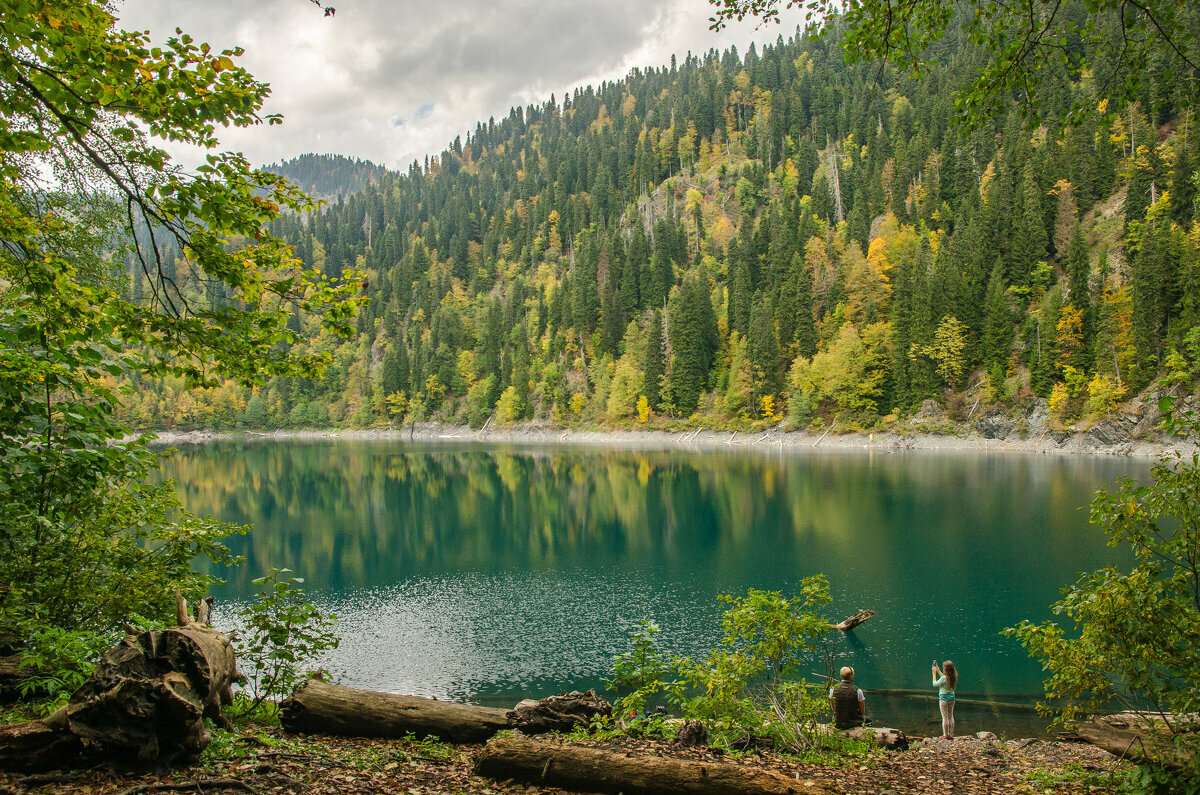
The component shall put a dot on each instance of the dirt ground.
(272, 762)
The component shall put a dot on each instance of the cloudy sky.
(395, 80)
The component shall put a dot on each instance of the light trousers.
(947, 708)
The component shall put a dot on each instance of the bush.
(1132, 636)
(282, 631)
(746, 687)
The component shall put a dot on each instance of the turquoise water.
(489, 574)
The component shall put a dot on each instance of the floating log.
(584, 769)
(854, 620)
(35, 747)
(321, 708)
(1140, 735)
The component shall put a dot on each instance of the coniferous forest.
(743, 239)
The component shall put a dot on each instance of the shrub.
(282, 631)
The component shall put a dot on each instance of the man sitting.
(847, 702)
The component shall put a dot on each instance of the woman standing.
(945, 680)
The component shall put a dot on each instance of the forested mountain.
(745, 239)
(328, 176)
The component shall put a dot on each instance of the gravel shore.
(1110, 438)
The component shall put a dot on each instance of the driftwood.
(35, 746)
(560, 713)
(854, 620)
(1140, 735)
(594, 770)
(321, 708)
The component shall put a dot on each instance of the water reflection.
(489, 574)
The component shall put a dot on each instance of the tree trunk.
(34, 747)
(150, 693)
(1139, 736)
(593, 770)
(321, 708)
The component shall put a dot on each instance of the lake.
(488, 574)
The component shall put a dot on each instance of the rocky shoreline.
(1031, 432)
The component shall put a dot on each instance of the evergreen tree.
(764, 349)
(693, 334)
(653, 364)
(998, 326)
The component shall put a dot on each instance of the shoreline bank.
(1107, 438)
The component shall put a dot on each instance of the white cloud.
(395, 80)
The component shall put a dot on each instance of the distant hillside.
(328, 176)
(738, 240)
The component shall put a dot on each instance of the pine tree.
(740, 298)
(1028, 244)
(693, 332)
(998, 325)
(764, 348)
(653, 365)
(390, 375)
(806, 327)
(487, 356)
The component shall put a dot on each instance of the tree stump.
(594, 770)
(560, 713)
(150, 693)
(691, 733)
(321, 708)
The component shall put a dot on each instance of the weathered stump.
(594, 770)
(150, 693)
(691, 733)
(560, 713)
(321, 708)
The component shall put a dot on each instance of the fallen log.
(854, 620)
(321, 708)
(585, 769)
(1140, 736)
(35, 747)
(12, 675)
